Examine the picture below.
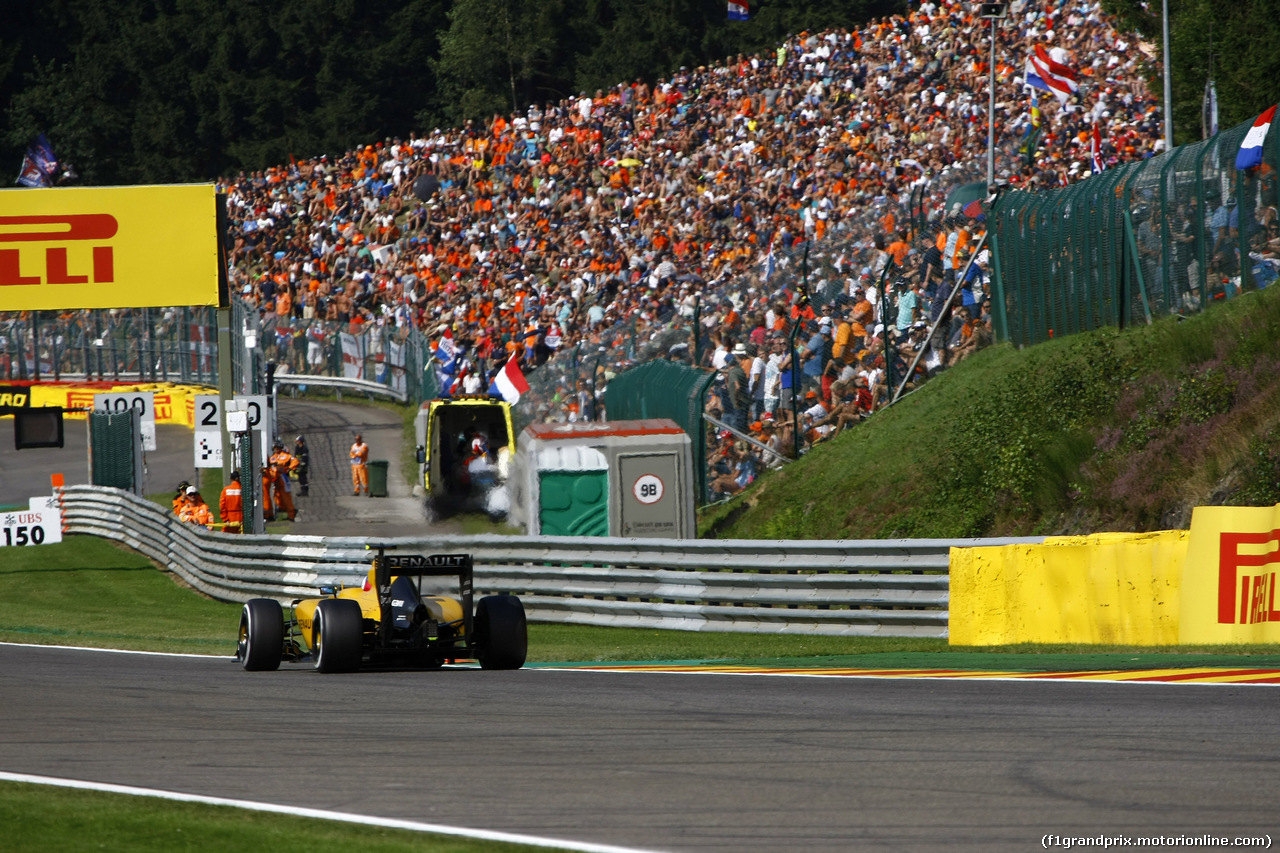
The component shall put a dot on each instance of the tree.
(494, 56)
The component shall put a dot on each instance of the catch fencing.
(1167, 235)
(856, 588)
(181, 345)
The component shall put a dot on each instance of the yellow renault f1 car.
(387, 622)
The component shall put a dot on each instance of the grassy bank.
(1102, 431)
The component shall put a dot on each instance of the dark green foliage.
(134, 91)
(1260, 476)
(1241, 37)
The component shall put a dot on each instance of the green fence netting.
(112, 448)
(1170, 234)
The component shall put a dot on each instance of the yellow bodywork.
(444, 608)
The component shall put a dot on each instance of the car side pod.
(501, 638)
(261, 644)
(337, 635)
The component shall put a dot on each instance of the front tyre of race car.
(501, 634)
(337, 635)
(261, 644)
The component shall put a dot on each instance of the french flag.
(738, 10)
(509, 383)
(1041, 72)
(1250, 153)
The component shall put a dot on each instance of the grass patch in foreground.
(38, 818)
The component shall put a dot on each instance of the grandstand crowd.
(665, 210)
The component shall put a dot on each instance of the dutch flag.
(509, 383)
(1041, 72)
(1250, 154)
(738, 10)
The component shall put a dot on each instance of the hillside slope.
(1104, 431)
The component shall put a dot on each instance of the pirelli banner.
(1229, 577)
(1214, 584)
(111, 247)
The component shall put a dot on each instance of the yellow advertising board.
(109, 247)
(1229, 577)
(1120, 588)
(175, 404)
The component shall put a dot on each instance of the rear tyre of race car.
(337, 635)
(501, 634)
(261, 644)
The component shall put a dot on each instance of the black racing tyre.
(261, 644)
(501, 634)
(337, 635)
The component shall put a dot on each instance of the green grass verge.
(40, 818)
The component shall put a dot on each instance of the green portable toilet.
(573, 491)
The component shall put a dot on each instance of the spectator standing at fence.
(359, 466)
(284, 464)
(816, 353)
(231, 505)
(735, 380)
(302, 453)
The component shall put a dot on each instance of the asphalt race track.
(678, 762)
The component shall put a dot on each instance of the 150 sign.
(40, 525)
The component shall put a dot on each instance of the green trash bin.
(378, 478)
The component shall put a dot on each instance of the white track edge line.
(322, 814)
(117, 651)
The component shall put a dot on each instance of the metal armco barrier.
(889, 588)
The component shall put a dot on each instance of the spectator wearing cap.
(816, 353)
(910, 306)
(814, 413)
(180, 497)
(194, 510)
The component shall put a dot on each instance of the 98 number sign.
(648, 489)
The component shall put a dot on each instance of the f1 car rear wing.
(418, 565)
